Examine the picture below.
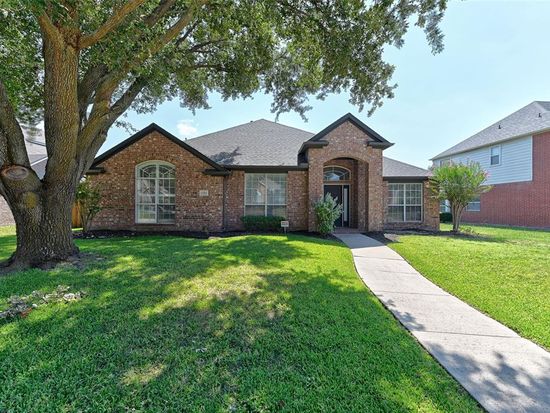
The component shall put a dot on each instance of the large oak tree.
(78, 65)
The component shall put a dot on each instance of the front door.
(341, 194)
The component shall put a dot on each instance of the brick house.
(515, 152)
(154, 181)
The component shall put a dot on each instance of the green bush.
(445, 217)
(261, 223)
(327, 211)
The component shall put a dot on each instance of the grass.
(245, 324)
(504, 272)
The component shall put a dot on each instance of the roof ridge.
(246, 124)
(451, 151)
(405, 163)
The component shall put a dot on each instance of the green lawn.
(505, 272)
(247, 324)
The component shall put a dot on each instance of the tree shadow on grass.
(263, 336)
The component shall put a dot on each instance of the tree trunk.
(44, 230)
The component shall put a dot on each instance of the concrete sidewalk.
(504, 372)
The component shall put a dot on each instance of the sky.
(496, 60)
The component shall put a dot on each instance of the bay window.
(405, 202)
(155, 193)
(265, 194)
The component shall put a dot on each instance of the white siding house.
(505, 162)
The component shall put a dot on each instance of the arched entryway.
(337, 181)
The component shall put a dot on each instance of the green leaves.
(327, 210)
(292, 49)
(459, 184)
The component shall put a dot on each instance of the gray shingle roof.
(396, 169)
(258, 143)
(532, 118)
(265, 143)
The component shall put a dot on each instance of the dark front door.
(341, 194)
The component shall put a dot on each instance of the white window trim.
(266, 205)
(470, 204)
(499, 155)
(404, 205)
(137, 220)
(337, 166)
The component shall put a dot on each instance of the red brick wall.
(430, 211)
(193, 213)
(297, 199)
(234, 202)
(348, 141)
(521, 203)
(297, 208)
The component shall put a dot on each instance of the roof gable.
(348, 117)
(533, 118)
(153, 127)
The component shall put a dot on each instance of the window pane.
(414, 194)
(166, 213)
(495, 160)
(335, 173)
(146, 213)
(396, 195)
(167, 186)
(395, 214)
(255, 189)
(148, 171)
(254, 210)
(413, 213)
(166, 171)
(276, 210)
(276, 189)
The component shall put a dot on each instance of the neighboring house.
(36, 149)
(154, 181)
(515, 153)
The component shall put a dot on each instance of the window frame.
(404, 205)
(499, 155)
(266, 205)
(337, 167)
(476, 201)
(137, 204)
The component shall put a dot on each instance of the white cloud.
(187, 128)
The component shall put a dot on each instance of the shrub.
(261, 223)
(446, 217)
(88, 198)
(327, 211)
(458, 184)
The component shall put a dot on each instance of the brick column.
(375, 191)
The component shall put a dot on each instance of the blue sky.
(496, 60)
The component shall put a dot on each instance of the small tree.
(88, 198)
(459, 184)
(327, 211)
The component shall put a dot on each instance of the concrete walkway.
(504, 372)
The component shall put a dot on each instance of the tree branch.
(12, 142)
(111, 24)
(86, 87)
(159, 12)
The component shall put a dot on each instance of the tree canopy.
(185, 49)
(81, 64)
(459, 184)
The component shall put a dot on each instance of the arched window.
(155, 193)
(336, 173)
